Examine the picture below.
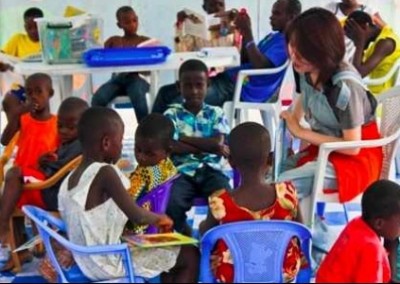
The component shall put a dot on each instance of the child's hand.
(5, 67)
(164, 224)
(48, 158)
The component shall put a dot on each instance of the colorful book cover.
(158, 240)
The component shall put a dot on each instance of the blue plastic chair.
(47, 226)
(258, 250)
(157, 199)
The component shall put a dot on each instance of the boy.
(130, 84)
(358, 255)
(201, 131)
(31, 142)
(69, 114)
(21, 45)
(377, 48)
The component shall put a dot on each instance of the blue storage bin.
(103, 57)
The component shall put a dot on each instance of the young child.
(130, 84)
(377, 49)
(153, 144)
(14, 196)
(21, 45)
(358, 255)
(31, 143)
(94, 201)
(197, 153)
(254, 199)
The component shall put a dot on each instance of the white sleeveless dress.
(104, 225)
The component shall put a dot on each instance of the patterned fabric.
(209, 122)
(225, 210)
(143, 180)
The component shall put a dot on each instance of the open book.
(149, 42)
(198, 24)
(158, 240)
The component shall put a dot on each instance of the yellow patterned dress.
(145, 179)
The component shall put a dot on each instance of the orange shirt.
(36, 138)
(358, 256)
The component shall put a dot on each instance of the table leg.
(154, 82)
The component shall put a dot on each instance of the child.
(14, 196)
(21, 45)
(130, 84)
(201, 130)
(358, 255)
(153, 143)
(254, 199)
(94, 201)
(377, 49)
(31, 143)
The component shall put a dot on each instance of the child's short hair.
(361, 18)
(33, 13)
(95, 123)
(193, 65)
(381, 200)
(73, 104)
(249, 144)
(40, 76)
(157, 126)
(123, 10)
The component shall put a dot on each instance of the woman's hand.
(292, 123)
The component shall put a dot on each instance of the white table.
(212, 57)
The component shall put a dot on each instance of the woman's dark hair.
(318, 37)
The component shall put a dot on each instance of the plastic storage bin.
(126, 56)
(64, 40)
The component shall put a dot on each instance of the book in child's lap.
(158, 240)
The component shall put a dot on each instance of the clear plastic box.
(64, 40)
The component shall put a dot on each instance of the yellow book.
(158, 240)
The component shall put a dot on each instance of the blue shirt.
(262, 88)
(209, 122)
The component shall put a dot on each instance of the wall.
(157, 17)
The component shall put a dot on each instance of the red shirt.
(357, 256)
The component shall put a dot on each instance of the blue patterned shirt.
(209, 122)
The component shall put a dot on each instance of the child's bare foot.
(24, 256)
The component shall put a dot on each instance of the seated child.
(21, 45)
(153, 143)
(69, 113)
(358, 255)
(254, 199)
(130, 84)
(94, 200)
(201, 130)
(31, 144)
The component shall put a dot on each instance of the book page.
(149, 43)
(198, 24)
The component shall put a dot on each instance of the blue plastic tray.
(103, 57)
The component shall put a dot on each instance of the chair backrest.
(394, 72)
(390, 126)
(157, 200)
(258, 249)
(49, 228)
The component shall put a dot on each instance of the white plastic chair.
(394, 72)
(269, 110)
(390, 133)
